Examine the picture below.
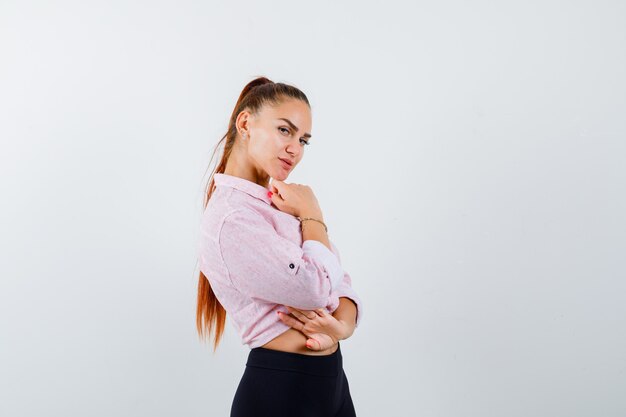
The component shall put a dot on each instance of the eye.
(305, 142)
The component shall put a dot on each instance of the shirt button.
(292, 266)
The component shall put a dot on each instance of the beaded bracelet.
(310, 218)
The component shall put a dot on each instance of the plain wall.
(469, 158)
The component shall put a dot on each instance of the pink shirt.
(255, 260)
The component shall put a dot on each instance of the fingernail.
(269, 194)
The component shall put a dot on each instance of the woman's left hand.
(322, 329)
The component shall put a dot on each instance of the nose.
(293, 150)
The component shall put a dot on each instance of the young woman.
(266, 259)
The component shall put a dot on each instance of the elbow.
(317, 297)
(314, 288)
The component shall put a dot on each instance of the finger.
(313, 344)
(292, 309)
(309, 314)
(276, 198)
(290, 321)
(273, 186)
(321, 312)
(278, 186)
(301, 315)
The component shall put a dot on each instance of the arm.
(323, 332)
(346, 314)
(348, 307)
(326, 330)
(269, 267)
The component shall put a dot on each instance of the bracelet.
(310, 218)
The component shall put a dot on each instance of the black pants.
(286, 384)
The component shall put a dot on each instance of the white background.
(469, 157)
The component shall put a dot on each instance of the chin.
(280, 175)
(277, 171)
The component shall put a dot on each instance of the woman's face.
(276, 134)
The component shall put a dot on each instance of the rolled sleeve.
(344, 289)
(268, 267)
(330, 261)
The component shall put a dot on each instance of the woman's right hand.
(295, 199)
(321, 328)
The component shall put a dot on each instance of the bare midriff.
(294, 341)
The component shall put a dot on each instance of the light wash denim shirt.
(256, 262)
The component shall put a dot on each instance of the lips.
(289, 163)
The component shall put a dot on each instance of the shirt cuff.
(318, 251)
(346, 291)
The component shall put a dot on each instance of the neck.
(239, 166)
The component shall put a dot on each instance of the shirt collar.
(247, 186)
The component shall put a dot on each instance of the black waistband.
(324, 365)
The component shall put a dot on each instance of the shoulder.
(225, 205)
(244, 218)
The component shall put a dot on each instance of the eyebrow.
(294, 127)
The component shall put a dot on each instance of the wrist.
(346, 330)
(316, 214)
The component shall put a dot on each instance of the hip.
(276, 384)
